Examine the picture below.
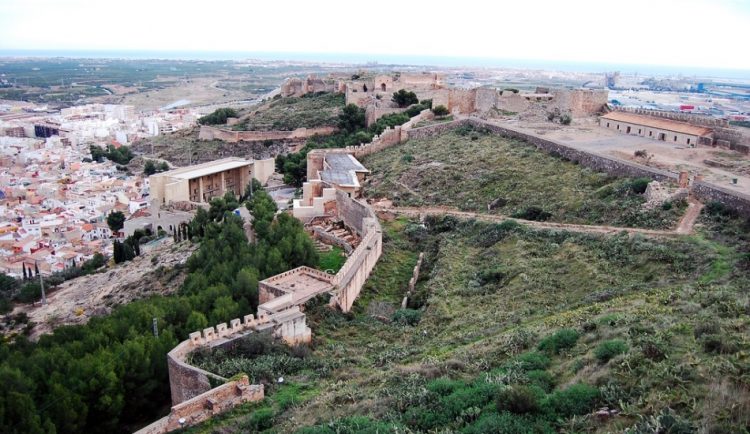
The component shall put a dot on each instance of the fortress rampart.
(231, 136)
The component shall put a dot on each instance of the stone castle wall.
(206, 405)
(214, 133)
(352, 276)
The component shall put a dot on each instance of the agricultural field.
(145, 83)
(309, 111)
(514, 329)
(476, 171)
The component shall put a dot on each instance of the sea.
(391, 59)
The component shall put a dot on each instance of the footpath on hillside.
(685, 227)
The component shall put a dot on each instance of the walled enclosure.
(702, 190)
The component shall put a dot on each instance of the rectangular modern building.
(203, 182)
(665, 130)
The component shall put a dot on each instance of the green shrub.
(532, 361)
(577, 399)
(476, 395)
(639, 185)
(444, 386)
(709, 327)
(508, 423)
(532, 213)
(426, 420)
(561, 340)
(517, 399)
(566, 119)
(353, 425)
(219, 116)
(719, 344)
(609, 349)
(415, 110)
(409, 317)
(261, 419)
(440, 110)
(541, 379)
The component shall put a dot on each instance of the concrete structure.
(666, 130)
(202, 182)
(328, 171)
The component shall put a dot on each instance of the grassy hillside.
(470, 170)
(520, 330)
(310, 111)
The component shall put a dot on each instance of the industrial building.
(665, 130)
(203, 182)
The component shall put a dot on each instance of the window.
(618, 126)
(675, 138)
(639, 131)
(650, 133)
(688, 141)
(607, 124)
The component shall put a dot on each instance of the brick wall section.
(206, 405)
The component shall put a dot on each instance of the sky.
(696, 33)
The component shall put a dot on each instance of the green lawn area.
(470, 170)
(332, 260)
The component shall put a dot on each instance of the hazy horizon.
(692, 35)
(357, 59)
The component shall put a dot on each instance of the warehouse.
(665, 130)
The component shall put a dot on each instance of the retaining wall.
(213, 133)
(708, 192)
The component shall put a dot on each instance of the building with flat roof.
(202, 182)
(328, 171)
(666, 130)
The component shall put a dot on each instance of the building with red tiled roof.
(665, 130)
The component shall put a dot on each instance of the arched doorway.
(382, 86)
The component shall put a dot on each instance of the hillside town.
(55, 195)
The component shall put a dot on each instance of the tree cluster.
(110, 375)
(218, 116)
(150, 167)
(352, 133)
(121, 155)
(405, 98)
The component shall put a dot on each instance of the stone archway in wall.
(382, 87)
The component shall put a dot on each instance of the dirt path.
(691, 215)
(685, 227)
